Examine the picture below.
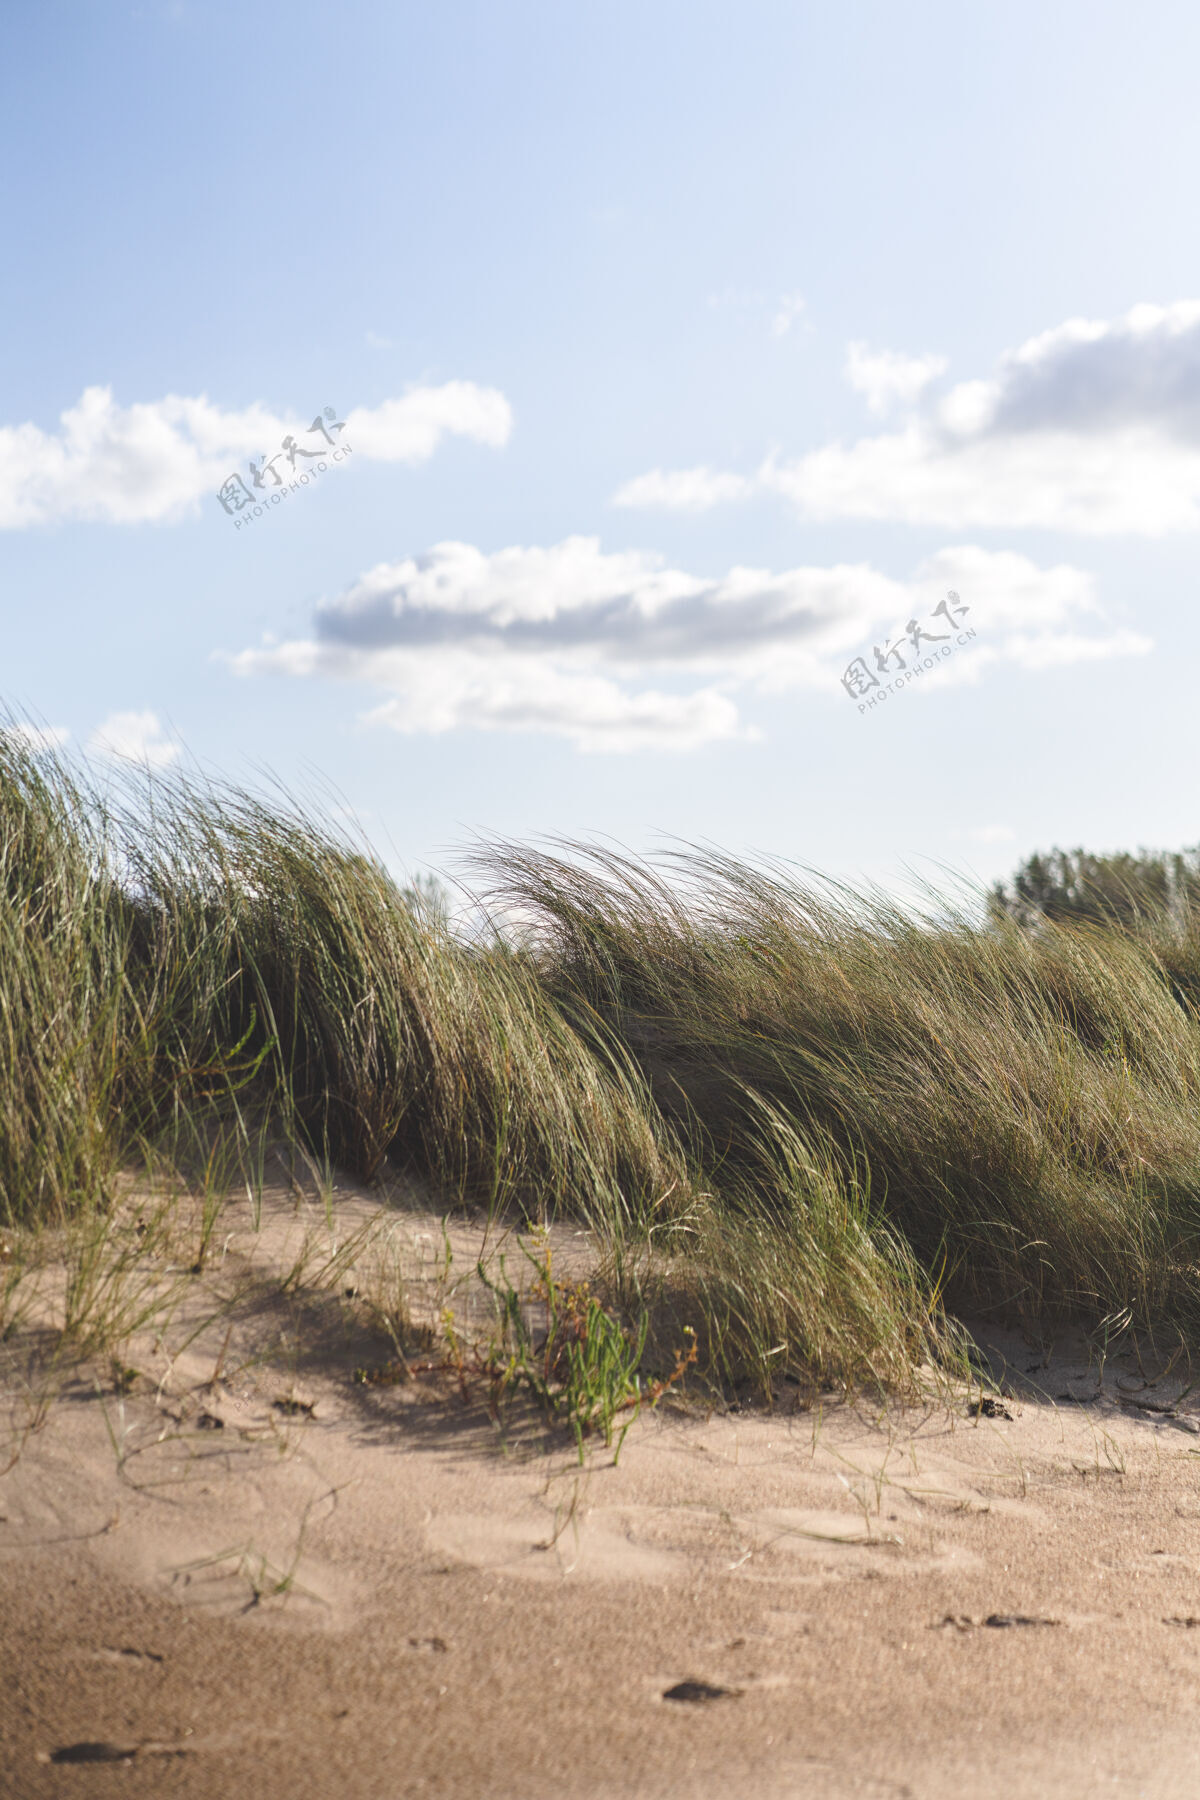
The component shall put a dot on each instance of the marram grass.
(800, 1120)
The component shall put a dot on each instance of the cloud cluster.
(884, 377)
(1093, 427)
(123, 737)
(134, 737)
(157, 459)
(683, 490)
(561, 638)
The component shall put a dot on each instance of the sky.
(769, 425)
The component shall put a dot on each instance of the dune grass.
(1022, 1103)
(801, 1121)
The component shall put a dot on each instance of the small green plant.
(584, 1366)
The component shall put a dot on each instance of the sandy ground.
(285, 1582)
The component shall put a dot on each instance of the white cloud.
(158, 459)
(36, 737)
(136, 737)
(618, 651)
(411, 428)
(683, 490)
(885, 376)
(789, 309)
(461, 691)
(1091, 427)
(1131, 482)
(376, 342)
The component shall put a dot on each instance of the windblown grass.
(799, 1119)
(62, 949)
(1023, 1104)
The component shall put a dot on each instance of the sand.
(291, 1583)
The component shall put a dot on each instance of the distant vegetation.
(800, 1119)
(1124, 890)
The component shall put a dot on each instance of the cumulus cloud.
(156, 460)
(683, 490)
(619, 651)
(1091, 427)
(525, 694)
(886, 376)
(136, 737)
(411, 428)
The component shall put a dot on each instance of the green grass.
(584, 1366)
(801, 1121)
(1020, 1107)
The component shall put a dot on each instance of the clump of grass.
(798, 1118)
(583, 1368)
(63, 941)
(1022, 1104)
(373, 1029)
(552, 1338)
(179, 948)
(791, 1277)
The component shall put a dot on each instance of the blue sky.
(685, 352)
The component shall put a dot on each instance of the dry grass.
(797, 1119)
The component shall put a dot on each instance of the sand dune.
(288, 1582)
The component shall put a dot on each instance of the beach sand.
(286, 1582)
